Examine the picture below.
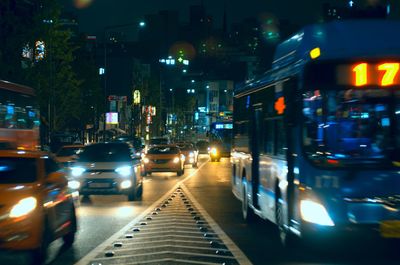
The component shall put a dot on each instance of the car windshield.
(15, 170)
(163, 150)
(202, 144)
(107, 152)
(185, 147)
(69, 151)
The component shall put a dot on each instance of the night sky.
(101, 13)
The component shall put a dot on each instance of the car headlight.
(176, 160)
(314, 212)
(126, 184)
(74, 184)
(146, 160)
(214, 151)
(23, 207)
(191, 154)
(124, 171)
(77, 171)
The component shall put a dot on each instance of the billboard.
(112, 118)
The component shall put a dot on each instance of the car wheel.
(139, 191)
(132, 195)
(194, 165)
(179, 173)
(38, 256)
(85, 198)
(69, 238)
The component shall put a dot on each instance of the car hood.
(162, 156)
(102, 165)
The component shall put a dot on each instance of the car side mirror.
(56, 178)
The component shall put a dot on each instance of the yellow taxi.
(35, 205)
(163, 158)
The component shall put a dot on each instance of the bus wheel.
(288, 239)
(247, 213)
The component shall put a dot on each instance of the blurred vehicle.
(202, 146)
(158, 141)
(107, 168)
(136, 142)
(163, 158)
(68, 154)
(190, 152)
(19, 118)
(215, 151)
(36, 207)
(60, 139)
(317, 147)
(221, 132)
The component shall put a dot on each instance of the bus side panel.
(268, 176)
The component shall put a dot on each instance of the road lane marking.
(237, 254)
(235, 250)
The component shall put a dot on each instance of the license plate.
(390, 229)
(99, 185)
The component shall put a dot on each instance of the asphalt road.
(104, 216)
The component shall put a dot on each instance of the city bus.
(316, 146)
(19, 117)
(221, 134)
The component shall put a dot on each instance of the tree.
(57, 85)
(16, 21)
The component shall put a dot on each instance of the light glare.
(23, 207)
(314, 212)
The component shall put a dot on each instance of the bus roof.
(341, 39)
(17, 88)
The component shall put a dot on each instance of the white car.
(107, 168)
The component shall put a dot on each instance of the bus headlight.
(124, 171)
(23, 207)
(176, 160)
(126, 184)
(314, 212)
(74, 184)
(77, 171)
(146, 160)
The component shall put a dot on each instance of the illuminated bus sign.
(366, 74)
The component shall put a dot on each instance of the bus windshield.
(352, 126)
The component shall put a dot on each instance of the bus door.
(256, 136)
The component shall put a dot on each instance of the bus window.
(348, 124)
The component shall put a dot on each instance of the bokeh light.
(270, 27)
(82, 3)
(184, 49)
